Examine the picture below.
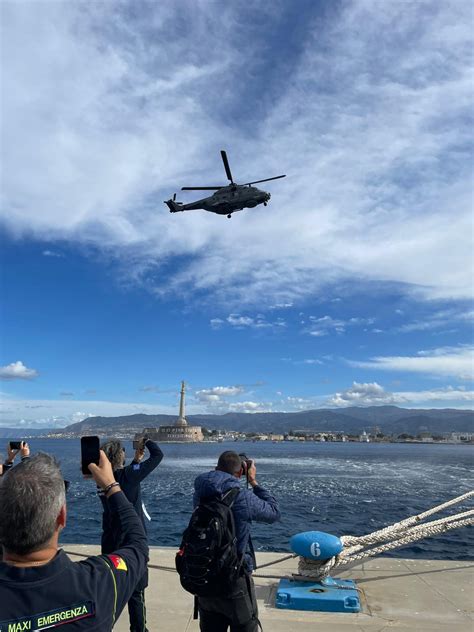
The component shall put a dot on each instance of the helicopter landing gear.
(229, 216)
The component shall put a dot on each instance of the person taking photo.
(238, 607)
(40, 587)
(130, 478)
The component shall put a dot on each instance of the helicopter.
(227, 198)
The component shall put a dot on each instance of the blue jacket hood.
(214, 483)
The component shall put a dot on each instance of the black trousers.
(137, 611)
(238, 612)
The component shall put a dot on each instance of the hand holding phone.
(90, 453)
(102, 473)
(12, 450)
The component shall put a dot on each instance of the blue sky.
(352, 287)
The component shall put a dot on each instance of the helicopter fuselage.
(229, 199)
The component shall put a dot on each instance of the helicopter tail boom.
(173, 206)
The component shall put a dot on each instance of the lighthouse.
(182, 419)
(180, 431)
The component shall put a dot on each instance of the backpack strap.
(229, 497)
(252, 552)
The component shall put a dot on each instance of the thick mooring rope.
(398, 535)
(387, 532)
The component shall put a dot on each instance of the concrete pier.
(399, 594)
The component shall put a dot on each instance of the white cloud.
(248, 322)
(240, 321)
(281, 306)
(52, 253)
(250, 407)
(381, 191)
(218, 391)
(324, 325)
(373, 394)
(218, 400)
(446, 361)
(17, 371)
(215, 399)
(438, 319)
(307, 361)
(216, 323)
(367, 394)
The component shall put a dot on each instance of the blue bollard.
(329, 595)
(316, 545)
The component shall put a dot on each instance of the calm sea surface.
(340, 488)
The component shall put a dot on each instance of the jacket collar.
(19, 574)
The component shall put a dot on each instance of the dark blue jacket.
(250, 504)
(87, 595)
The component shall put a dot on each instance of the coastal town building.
(180, 431)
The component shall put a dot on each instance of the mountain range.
(353, 420)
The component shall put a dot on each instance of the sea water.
(340, 488)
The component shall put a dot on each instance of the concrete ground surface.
(396, 594)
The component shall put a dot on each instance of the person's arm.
(128, 563)
(262, 505)
(138, 471)
(11, 454)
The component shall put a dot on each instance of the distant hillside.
(23, 433)
(390, 419)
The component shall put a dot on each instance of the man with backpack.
(216, 558)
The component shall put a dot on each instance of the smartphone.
(15, 445)
(90, 453)
(139, 444)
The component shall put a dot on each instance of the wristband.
(107, 489)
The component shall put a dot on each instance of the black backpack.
(207, 561)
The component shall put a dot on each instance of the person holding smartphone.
(13, 447)
(40, 587)
(130, 478)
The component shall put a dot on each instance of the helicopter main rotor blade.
(201, 188)
(266, 180)
(226, 166)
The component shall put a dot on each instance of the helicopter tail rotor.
(174, 206)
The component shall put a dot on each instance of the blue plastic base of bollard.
(330, 595)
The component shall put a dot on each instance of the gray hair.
(31, 496)
(114, 452)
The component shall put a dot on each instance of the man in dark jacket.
(40, 587)
(130, 477)
(239, 608)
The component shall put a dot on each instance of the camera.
(246, 462)
(15, 445)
